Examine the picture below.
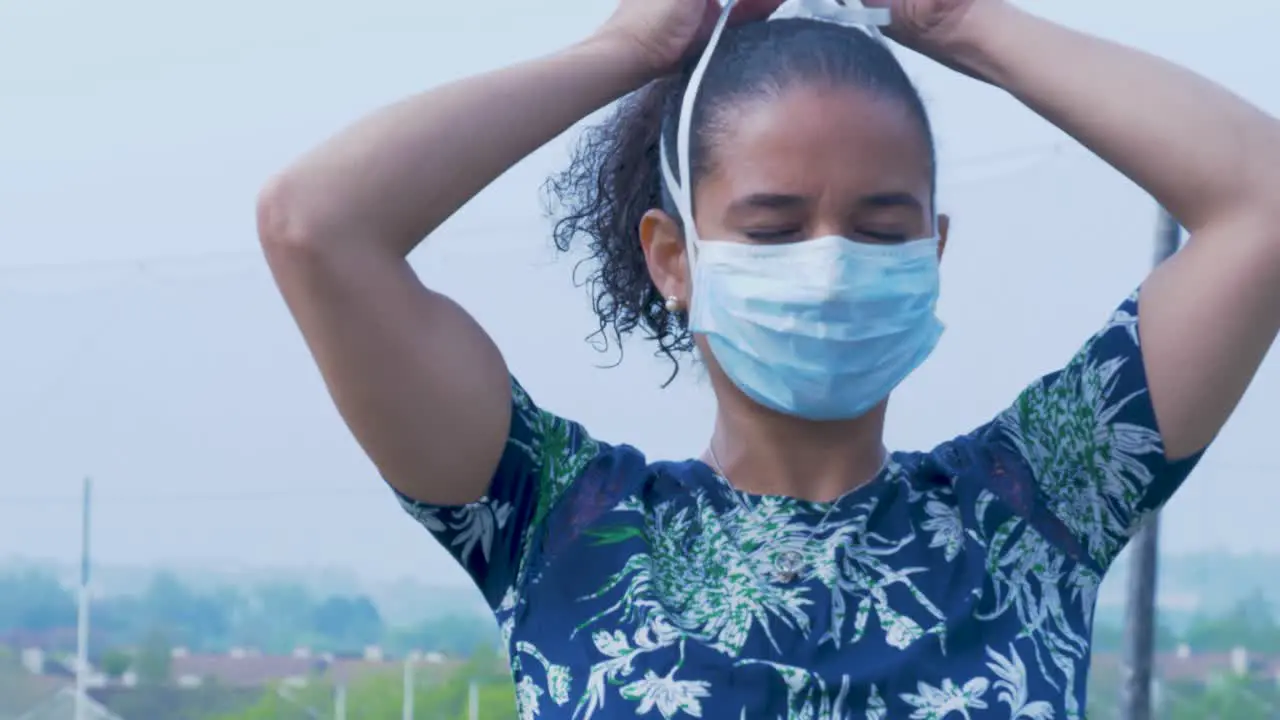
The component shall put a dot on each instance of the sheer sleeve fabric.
(1087, 439)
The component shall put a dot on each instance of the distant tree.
(1109, 638)
(348, 623)
(115, 663)
(154, 661)
(275, 617)
(1250, 624)
(34, 600)
(455, 636)
(194, 620)
(120, 620)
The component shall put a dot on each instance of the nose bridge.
(828, 217)
(828, 226)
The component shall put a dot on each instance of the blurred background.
(248, 562)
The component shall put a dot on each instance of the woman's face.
(811, 162)
(817, 161)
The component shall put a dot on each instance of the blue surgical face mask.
(822, 329)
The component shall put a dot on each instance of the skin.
(810, 162)
(425, 390)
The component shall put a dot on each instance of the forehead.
(824, 142)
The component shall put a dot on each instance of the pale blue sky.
(144, 344)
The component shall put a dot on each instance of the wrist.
(622, 58)
(977, 45)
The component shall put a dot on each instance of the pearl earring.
(673, 304)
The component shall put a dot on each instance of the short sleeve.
(491, 537)
(1089, 439)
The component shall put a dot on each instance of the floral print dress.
(960, 583)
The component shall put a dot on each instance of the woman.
(796, 569)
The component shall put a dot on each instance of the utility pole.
(1140, 608)
(473, 701)
(82, 620)
(407, 705)
(340, 702)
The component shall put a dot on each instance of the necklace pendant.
(787, 566)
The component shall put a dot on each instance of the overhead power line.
(1034, 153)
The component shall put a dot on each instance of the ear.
(662, 241)
(944, 229)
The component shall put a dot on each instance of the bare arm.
(1209, 315)
(422, 387)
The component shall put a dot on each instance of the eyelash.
(779, 235)
(885, 237)
(771, 235)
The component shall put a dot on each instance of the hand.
(940, 29)
(663, 32)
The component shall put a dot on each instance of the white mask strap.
(844, 12)
(682, 192)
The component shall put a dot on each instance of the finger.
(753, 10)
(710, 14)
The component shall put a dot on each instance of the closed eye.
(767, 235)
(885, 237)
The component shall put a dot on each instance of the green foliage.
(1109, 638)
(347, 623)
(115, 663)
(1227, 698)
(154, 662)
(1249, 624)
(497, 702)
(381, 697)
(275, 618)
(35, 601)
(272, 707)
(455, 636)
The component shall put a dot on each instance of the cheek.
(703, 362)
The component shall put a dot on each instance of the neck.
(767, 453)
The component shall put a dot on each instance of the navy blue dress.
(960, 583)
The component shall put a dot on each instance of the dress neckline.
(712, 481)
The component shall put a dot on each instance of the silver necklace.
(788, 564)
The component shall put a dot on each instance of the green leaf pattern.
(695, 572)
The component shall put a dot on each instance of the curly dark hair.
(614, 176)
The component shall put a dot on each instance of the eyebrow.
(768, 201)
(892, 200)
(779, 201)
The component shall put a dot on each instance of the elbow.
(285, 224)
(1261, 166)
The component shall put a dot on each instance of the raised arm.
(422, 387)
(1208, 316)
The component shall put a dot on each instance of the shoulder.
(997, 491)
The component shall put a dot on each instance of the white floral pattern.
(959, 585)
